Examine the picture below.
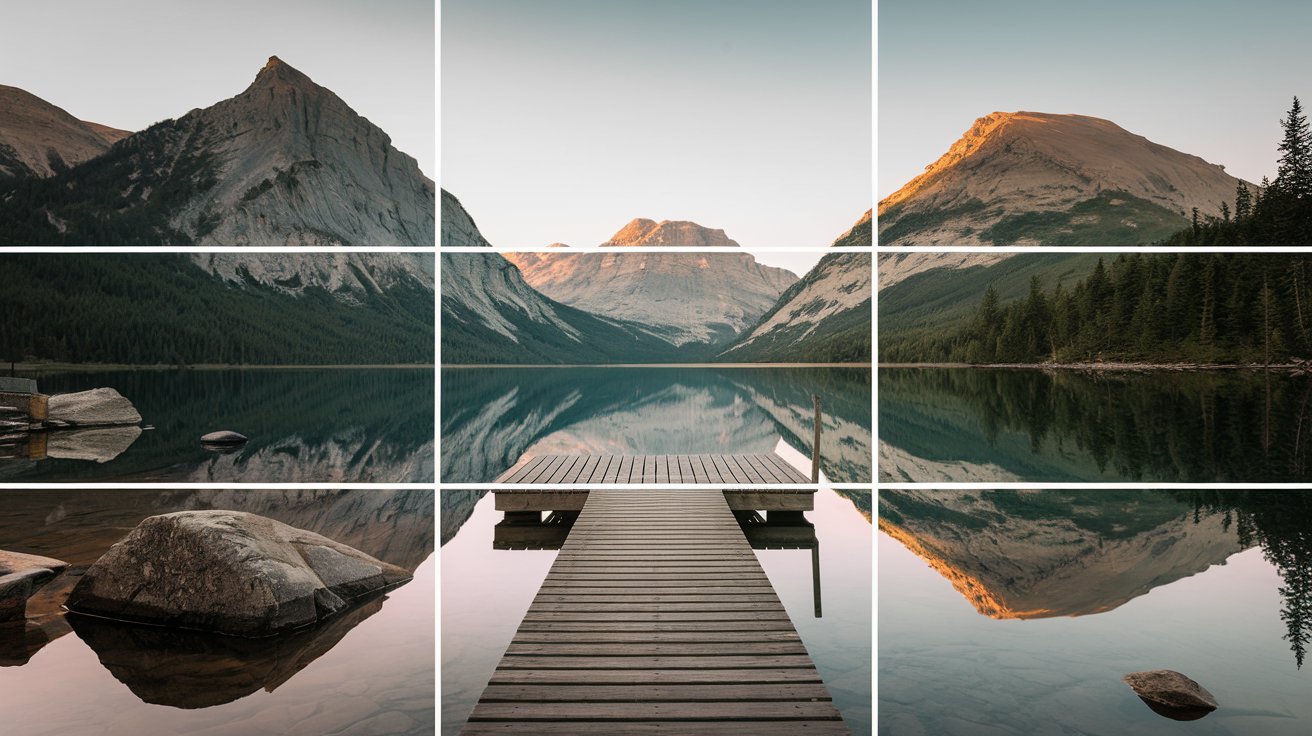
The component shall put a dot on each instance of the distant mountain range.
(648, 307)
(1031, 178)
(285, 162)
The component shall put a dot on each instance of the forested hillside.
(163, 309)
(1202, 307)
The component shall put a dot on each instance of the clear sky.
(131, 63)
(1204, 77)
(564, 120)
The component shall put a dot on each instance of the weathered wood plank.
(656, 617)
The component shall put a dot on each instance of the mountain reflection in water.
(492, 417)
(1040, 554)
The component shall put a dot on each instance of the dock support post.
(815, 444)
(815, 577)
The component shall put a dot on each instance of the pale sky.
(1207, 77)
(564, 120)
(131, 63)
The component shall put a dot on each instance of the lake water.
(491, 417)
(305, 425)
(978, 424)
(486, 592)
(367, 671)
(1018, 612)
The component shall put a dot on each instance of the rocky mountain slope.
(1040, 554)
(349, 276)
(824, 317)
(1032, 178)
(40, 139)
(859, 236)
(491, 315)
(688, 297)
(286, 162)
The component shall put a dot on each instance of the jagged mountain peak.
(642, 231)
(278, 73)
(1052, 179)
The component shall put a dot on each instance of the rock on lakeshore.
(228, 572)
(20, 576)
(1171, 694)
(97, 407)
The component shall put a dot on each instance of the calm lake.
(491, 417)
(367, 671)
(486, 592)
(1018, 612)
(980, 424)
(305, 425)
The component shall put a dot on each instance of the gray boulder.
(228, 572)
(1171, 694)
(223, 437)
(97, 407)
(20, 576)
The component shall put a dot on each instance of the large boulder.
(97, 407)
(228, 572)
(20, 576)
(1172, 694)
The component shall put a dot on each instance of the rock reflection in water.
(187, 669)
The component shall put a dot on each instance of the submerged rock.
(20, 576)
(97, 407)
(228, 572)
(223, 437)
(1171, 694)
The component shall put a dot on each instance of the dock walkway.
(656, 618)
(766, 468)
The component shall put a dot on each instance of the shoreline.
(466, 366)
(102, 367)
(1117, 366)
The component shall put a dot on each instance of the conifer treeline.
(1171, 307)
(1279, 213)
(152, 309)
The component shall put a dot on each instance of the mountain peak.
(1094, 180)
(278, 73)
(642, 231)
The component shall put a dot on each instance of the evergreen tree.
(1243, 201)
(1294, 174)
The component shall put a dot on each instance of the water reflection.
(1018, 612)
(368, 670)
(492, 417)
(305, 425)
(1041, 554)
(971, 424)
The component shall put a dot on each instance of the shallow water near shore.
(1018, 612)
(367, 671)
(994, 424)
(304, 424)
(492, 418)
(486, 592)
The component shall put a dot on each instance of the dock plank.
(732, 469)
(656, 617)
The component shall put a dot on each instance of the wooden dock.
(763, 469)
(655, 618)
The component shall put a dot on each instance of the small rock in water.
(1171, 694)
(225, 437)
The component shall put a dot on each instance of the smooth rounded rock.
(228, 572)
(224, 437)
(1171, 694)
(21, 575)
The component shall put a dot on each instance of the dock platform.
(764, 469)
(655, 618)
